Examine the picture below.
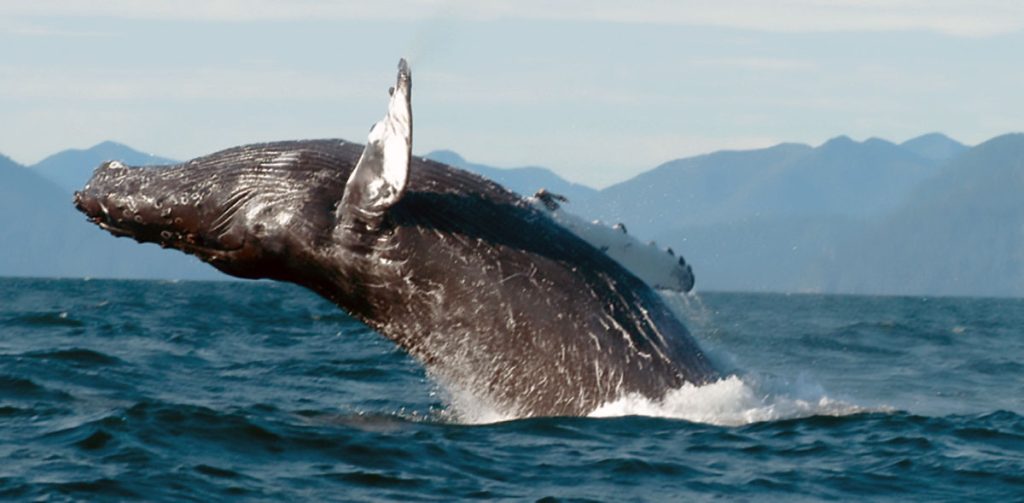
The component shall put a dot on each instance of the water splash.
(690, 308)
(743, 397)
(731, 401)
(734, 401)
(463, 406)
(739, 399)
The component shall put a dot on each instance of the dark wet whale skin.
(489, 293)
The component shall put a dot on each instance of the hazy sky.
(596, 90)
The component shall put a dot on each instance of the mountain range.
(525, 180)
(840, 178)
(44, 236)
(926, 216)
(70, 169)
(960, 232)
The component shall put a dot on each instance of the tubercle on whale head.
(208, 209)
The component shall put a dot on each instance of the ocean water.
(119, 390)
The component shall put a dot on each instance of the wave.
(735, 401)
(43, 319)
(732, 401)
(81, 356)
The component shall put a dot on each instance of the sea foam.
(733, 401)
(741, 398)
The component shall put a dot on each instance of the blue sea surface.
(202, 391)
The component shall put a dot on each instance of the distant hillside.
(33, 221)
(7, 163)
(43, 235)
(840, 178)
(960, 233)
(935, 146)
(525, 181)
(70, 169)
(764, 254)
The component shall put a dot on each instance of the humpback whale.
(487, 290)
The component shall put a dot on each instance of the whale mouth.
(144, 230)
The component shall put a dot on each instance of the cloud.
(244, 84)
(949, 17)
(25, 28)
(760, 64)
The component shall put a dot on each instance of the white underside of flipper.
(379, 178)
(660, 269)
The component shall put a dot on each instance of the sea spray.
(694, 313)
(733, 401)
(743, 397)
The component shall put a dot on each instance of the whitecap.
(734, 401)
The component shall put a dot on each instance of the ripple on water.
(43, 320)
(80, 356)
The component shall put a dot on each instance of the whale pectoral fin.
(379, 178)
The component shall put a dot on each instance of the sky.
(596, 90)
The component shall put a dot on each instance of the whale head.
(243, 210)
(250, 210)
